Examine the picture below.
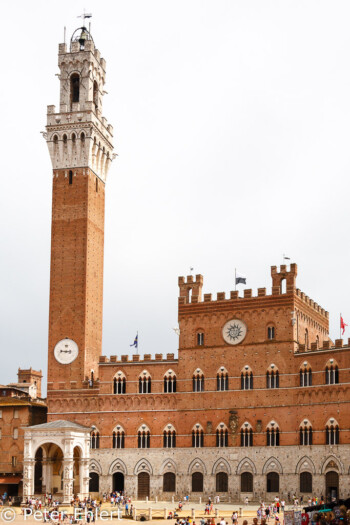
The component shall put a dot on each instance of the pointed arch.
(272, 465)
(169, 380)
(246, 465)
(145, 382)
(118, 437)
(169, 436)
(95, 466)
(305, 464)
(222, 379)
(221, 465)
(118, 466)
(198, 380)
(197, 436)
(330, 463)
(168, 465)
(143, 436)
(143, 465)
(196, 465)
(246, 378)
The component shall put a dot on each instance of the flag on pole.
(136, 341)
(342, 325)
(240, 279)
(285, 257)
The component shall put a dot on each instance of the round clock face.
(66, 351)
(234, 331)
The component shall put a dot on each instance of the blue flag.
(136, 340)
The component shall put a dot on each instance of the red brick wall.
(76, 282)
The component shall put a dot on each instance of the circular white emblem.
(234, 331)
(66, 351)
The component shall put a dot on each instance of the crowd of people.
(88, 509)
(274, 512)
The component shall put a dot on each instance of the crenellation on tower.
(278, 277)
(190, 289)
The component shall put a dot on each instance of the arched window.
(332, 373)
(305, 374)
(169, 482)
(74, 88)
(82, 136)
(305, 433)
(221, 482)
(246, 482)
(95, 439)
(169, 437)
(305, 482)
(65, 139)
(317, 341)
(200, 338)
(222, 379)
(169, 382)
(271, 332)
(143, 437)
(55, 139)
(332, 432)
(119, 383)
(145, 383)
(74, 138)
(222, 435)
(198, 381)
(272, 482)
(246, 435)
(95, 94)
(197, 436)
(118, 437)
(272, 435)
(197, 482)
(272, 377)
(247, 378)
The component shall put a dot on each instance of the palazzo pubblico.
(257, 401)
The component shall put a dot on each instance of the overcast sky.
(231, 123)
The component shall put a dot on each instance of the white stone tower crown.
(78, 136)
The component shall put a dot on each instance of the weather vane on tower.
(84, 16)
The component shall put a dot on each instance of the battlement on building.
(190, 290)
(339, 344)
(136, 358)
(75, 47)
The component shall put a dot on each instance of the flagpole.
(235, 279)
(137, 347)
(340, 326)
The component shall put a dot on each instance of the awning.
(10, 480)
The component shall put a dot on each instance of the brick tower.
(80, 146)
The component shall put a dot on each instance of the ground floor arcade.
(253, 472)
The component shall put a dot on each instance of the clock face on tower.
(66, 351)
(234, 331)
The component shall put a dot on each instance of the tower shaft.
(80, 146)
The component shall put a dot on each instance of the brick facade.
(258, 390)
(18, 409)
